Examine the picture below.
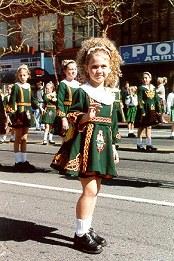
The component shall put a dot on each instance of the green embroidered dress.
(88, 147)
(21, 103)
(148, 104)
(50, 108)
(65, 94)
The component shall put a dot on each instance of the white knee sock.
(139, 141)
(83, 226)
(50, 136)
(24, 156)
(45, 135)
(148, 141)
(18, 157)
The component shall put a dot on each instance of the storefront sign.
(148, 53)
(12, 62)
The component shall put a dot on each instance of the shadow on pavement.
(130, 183)
(17, 230)
(5, 168)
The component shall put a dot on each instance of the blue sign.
(148, 53)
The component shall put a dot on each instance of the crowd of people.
(86, 116)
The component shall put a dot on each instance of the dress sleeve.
(140, 100)
(13, 98)
(61, 94)
(80, 105)
(115, 132)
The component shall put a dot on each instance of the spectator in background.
(170, 110)
(161, 81)
(39, 97)
(7, 109)
(124, 93)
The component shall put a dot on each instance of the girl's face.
(98, 68)
(48, 89)
(71, 71)
(23, 75)
(146, 79)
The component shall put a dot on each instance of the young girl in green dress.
(131, 102)
(88, 151)
(21, 101)
(149, 111)
(65, 92)
(49, 116)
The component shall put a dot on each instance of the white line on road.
(104, 195)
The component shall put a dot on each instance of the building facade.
(146, 42)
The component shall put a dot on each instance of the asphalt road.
(134, 212)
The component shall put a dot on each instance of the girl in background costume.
(49, 99)
(149, 111)
(65, 93)
(131, 102)
(21, 101)
(88, 151)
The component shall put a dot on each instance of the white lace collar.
(72, 84)
(103, 95)
(24, 85)
(150, 87)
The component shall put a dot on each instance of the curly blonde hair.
(99, 45)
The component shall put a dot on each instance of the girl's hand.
(115, 154)
(94, 108)
(65, 126)
(42, 111)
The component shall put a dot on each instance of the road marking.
(104, 195)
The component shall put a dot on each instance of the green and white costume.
(2, 117)
(170, 105)
(88, 147)
(131, 102)
(21, 103)
(65, 94)
(50, 108)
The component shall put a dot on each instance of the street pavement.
(134, 212)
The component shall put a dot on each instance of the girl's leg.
(148, 139)
(46, 134)
(139, 138)
(18, 158)
(172, 131)
(84, 240)
(51, 135)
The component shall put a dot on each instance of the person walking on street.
(89, 152)
(149, 111)
(7, 109)
(39, 97)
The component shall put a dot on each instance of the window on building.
(76, 30)
(40, 32)
(163, 20)
(146, 22)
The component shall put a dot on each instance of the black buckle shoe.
(27, 165)
(87, 244)
(150, 148)
(19, 166)
(100, 240)
(140, 147)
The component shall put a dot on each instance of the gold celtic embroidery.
(150, 94)
(89, 132)
(101, 119)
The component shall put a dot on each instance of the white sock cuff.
(24, 156)
(83, 226)
(18, 157)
